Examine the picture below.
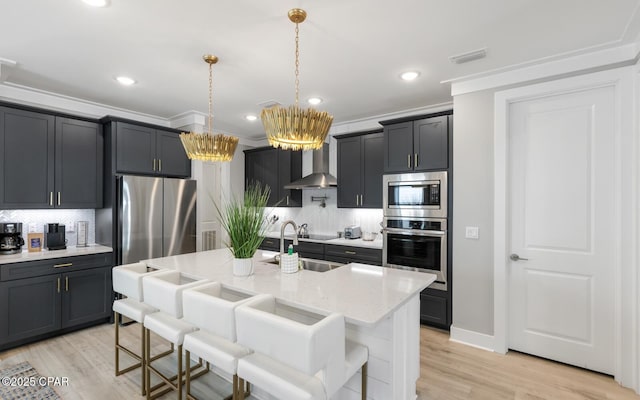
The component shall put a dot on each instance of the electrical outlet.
(32, 227)
(69, 226)
(471, 232)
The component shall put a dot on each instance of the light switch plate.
(471, 232)
(32, 227)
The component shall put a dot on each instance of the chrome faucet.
(295, 234)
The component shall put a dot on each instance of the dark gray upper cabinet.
(430, 143)
(135, 149)
(149, 151)
(420, 145)
(26, 182)
(79, 164)
(65, 163)
(360, 167)
(276, 168)
(172, 159)
(398, 144)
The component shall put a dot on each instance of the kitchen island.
(380, 305)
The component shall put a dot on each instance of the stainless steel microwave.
(421, 194)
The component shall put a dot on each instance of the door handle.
(58, 284)
(515, 257)
(415, 160)
(51, 199)
(59, 198)
(360, 200)
(154, 164)
(409, 161)
(66, 283)
(160, 164)
(357, 200)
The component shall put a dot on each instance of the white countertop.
(371, 244)
(70, 251)
(364, 294)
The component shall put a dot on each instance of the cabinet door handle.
(59, 198)
(361, 201)
(66, 283)
(154, 164)
(159, 164)
(287, 199)
(356, 200)
(62, 265)
(51, 199)
(58, 284)
(415, 160)
(350, 252)
(409, 161)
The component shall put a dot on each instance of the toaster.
(352, 232)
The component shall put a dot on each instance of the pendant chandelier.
(207, 146)
(295, 128)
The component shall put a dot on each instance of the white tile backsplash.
(330, 219)
(41, 217)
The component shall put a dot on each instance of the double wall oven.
(415, 223)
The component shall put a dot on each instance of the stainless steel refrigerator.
(156, 217)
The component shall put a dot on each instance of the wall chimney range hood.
(319, 177)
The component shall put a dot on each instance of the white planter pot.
(242, 266)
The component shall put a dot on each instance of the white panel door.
(562, 155)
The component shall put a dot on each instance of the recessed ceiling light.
(409, 75)
(314, 101)
(96, 3)
(250, 117)
(126, 81)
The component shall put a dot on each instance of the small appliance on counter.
(11, 239)
(82, 228)
(352, 232)
(54, 238)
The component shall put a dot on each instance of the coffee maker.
(11, 237)
(54, 237)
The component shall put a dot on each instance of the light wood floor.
(448, 370)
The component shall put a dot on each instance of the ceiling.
(352, 52)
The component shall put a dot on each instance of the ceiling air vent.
(469, 56)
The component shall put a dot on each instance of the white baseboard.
(471, 338)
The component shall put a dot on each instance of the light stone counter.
(381, 307)
(70, 251)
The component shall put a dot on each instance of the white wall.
(46, 216)
(473, 206)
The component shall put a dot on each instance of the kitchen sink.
(313, 265)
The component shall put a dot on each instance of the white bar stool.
(211, 307)
(297, 355)
(127, 281)
(164, 292)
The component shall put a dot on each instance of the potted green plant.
(245, 224)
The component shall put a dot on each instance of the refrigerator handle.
(118, 224)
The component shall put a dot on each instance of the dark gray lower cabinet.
(349, 254)
(86, 296)
(329, 252)
(29, 307)
(41, 298)
(434, 308)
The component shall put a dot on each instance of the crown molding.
(567, 64)
(370, 123)
(83, 108)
